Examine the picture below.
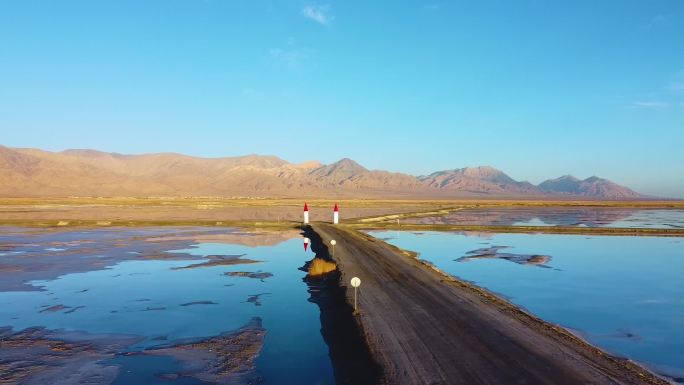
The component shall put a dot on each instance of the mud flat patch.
(173, 294)
(224, 359)
(218, 260)
(73, 309)
(199, 303)
(40, 356)
(55, 308)
(255, 275)
(46, 255)
(159, 308)
(493, 253)
(256, 298)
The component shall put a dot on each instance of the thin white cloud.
(433, 6)
(659, 21)
(668, 95)
(319, 14)
(291, 55)
(651, 104)
(677, 87)
(288, 57)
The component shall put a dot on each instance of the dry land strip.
(425, 327)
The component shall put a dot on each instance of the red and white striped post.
(336, 214)
(306, 214)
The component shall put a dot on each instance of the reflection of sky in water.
(562, 216)
(142, 369)
(625, 293)
(532, 222)
(115, 300)
(653, 219)
(641, 219)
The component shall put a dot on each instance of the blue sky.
(536, 88)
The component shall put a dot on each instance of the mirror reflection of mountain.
(253, 238)
(45, 255)
(192, 300)
(560, 216)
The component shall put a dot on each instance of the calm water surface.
(145, 297)
(562, 216)
(625, 294)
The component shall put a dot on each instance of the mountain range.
(26, 172)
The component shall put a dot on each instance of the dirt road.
(425, 328)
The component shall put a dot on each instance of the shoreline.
(608, 231)
(579, 362)
(348, 348)
(506, 305)
(53, 225)
(349, 344)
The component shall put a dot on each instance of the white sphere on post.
(333, 243)
(355, 282)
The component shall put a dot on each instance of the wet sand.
(40, 356)
(225, 359)
(424, 327)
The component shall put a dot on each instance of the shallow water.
(625, 294)
(134, 295)
(561, 216)
(145, 369)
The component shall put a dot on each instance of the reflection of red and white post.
(306, 243)
(306, 214)
(336, 214)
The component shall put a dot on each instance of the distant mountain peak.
(487, 173)
(90, 153)
(309, 164)
(342, 169)
(348, 164)
(479, 169)
(567, 177)
(591, 187)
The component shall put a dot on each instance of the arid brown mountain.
(479, 180)
(32, 172)
(590, 187)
